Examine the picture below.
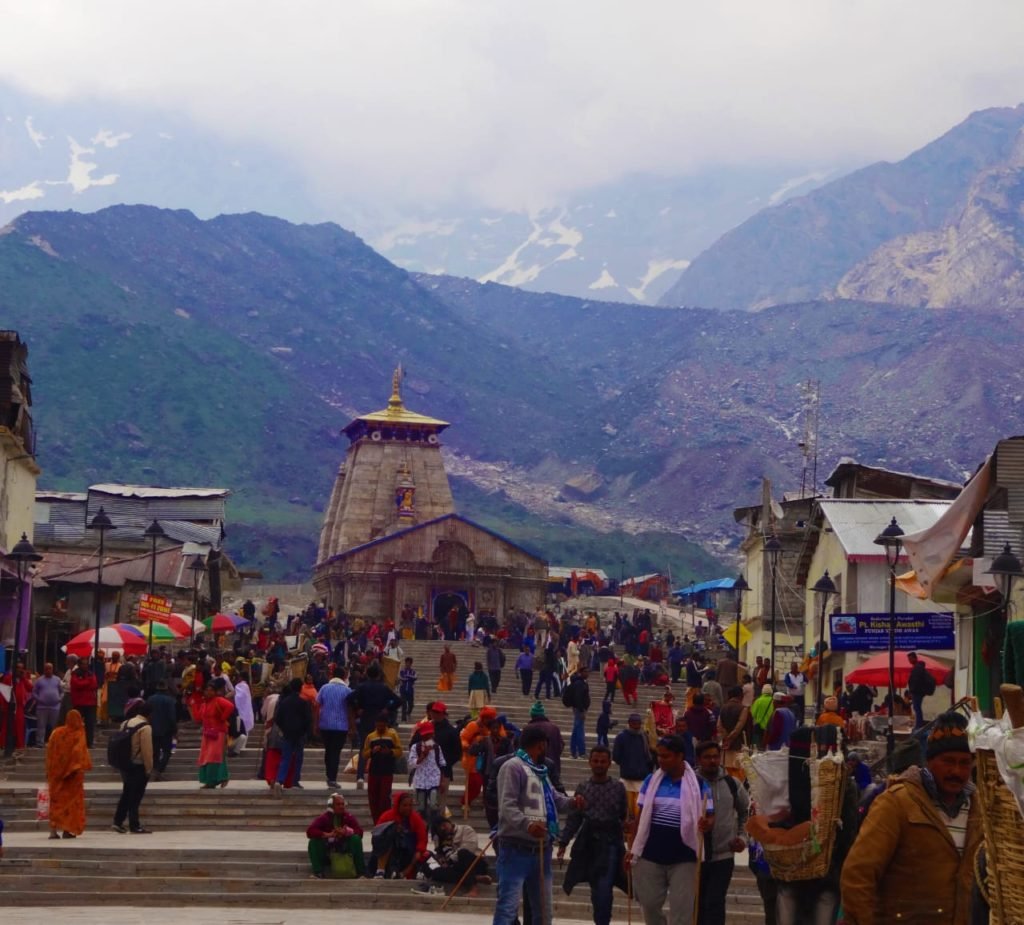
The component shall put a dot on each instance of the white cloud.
(108, 138)
(37, 137)
(80, 170)
(398, 101)
(32, 190)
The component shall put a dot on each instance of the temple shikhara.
(392, 540)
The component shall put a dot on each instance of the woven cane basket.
(810, 859)
(1004, 843)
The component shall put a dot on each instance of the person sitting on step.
(335, 832)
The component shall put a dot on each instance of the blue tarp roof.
(718, 584)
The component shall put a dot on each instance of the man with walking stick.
(528, 808)
(598, 850)
(665, 850)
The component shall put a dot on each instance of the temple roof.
(396, 412)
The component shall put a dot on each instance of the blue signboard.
(869, 632)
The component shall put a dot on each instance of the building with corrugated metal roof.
(193, 524)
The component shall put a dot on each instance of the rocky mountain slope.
(904, 232)
(975, 259)
(171, 350)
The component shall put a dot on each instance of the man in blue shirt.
(663, 857)
(334, 722)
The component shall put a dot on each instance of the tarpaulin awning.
(718, 584)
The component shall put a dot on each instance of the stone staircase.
(240, 846)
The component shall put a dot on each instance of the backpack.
(119, 747)
(929, 684)
(568, 700)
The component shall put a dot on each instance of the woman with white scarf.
(668, 841)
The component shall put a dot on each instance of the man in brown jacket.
(913, 860)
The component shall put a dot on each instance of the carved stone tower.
(392, 478)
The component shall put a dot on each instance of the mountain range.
(170, 350)
(941, 227)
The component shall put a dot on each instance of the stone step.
(335, 896)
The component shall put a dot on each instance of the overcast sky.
(513, 104)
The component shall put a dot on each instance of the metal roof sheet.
(558, 571)
(148, 491)
(858, 521)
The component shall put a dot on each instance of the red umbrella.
(120, 636)
(875, 671)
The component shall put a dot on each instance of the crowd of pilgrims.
(228, 684)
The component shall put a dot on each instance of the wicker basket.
(1004, 842)
(810, 859)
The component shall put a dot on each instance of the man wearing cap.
(556, 744)
(631, 752)
(913, 859)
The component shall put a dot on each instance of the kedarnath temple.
(391, 538)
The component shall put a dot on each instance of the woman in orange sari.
(213, 748)
(67, 760)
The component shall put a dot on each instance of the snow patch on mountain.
(604, 281)
(655, 268)
(409, 232)
(794, 183)
(553, 233)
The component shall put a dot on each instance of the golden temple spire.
(395, 401)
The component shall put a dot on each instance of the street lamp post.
(1005, 568)
(740, 586)
(23, 555)
(197, 567)
(622, 580)
(155, 532)
(824, 587)
(773, 549)
(891, 538)
(102, 523)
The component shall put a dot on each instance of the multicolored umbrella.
(162, 632)
(181, 624)
(225, 622)
(124, 637)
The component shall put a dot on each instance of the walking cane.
(700, 858)
(629, 894)
(469, 870)
(543, 898)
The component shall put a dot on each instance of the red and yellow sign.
(154, 607)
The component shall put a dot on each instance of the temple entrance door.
(444, 603)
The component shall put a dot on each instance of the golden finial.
(395, 402)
